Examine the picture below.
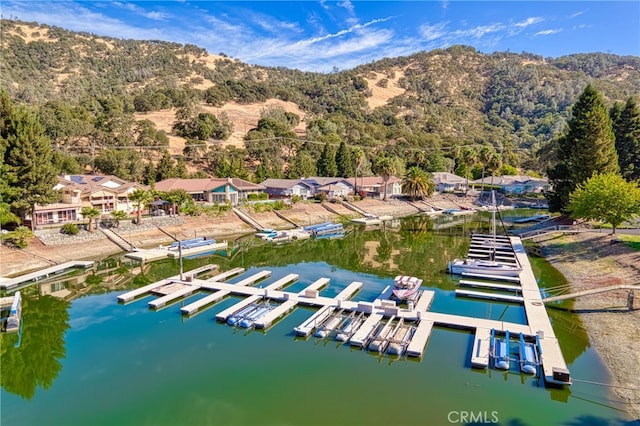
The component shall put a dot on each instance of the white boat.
(405, 287)
(265, 234)
(483, 266)
(480, 266)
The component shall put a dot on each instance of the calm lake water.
(92, 361)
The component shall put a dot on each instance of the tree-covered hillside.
(87, 89)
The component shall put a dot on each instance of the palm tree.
(177, 197)
(494, 164)
(417, 183)
(90, 213)
(140, 198)
(385, 168)
(117, 216)
(484, 155)
(470, 158)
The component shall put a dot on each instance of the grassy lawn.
(632, 241)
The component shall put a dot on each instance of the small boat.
(249, 320)
(480, 266)
(236, 317)
(501, 352)
(528, 357)
(405, 287)
(266, 233)
(350, 326)
(334, 228)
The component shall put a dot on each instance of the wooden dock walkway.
(591, 291)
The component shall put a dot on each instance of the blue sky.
(321, 35)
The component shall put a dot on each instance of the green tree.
(177, 197)
(27, 160)
(357, 155)
(140, 199)
(606, 197)
(117, 216)
(302, 165)
(469, 158)
(344, 162)
(165, 168)
(385, 168)
(327, 162)
(626, 127)
(90, 213)
(587, 147)
(21, 235)
(417, 183)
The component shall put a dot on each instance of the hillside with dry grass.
(95, 93)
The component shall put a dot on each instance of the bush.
(70, 229)
(296, 198)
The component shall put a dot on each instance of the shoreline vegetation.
(587, 260)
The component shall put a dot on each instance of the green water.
(92, 361)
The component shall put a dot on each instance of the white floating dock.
(224, 275)
(492, 277)
(214, 297)
(420, 337)
(8, 283)
(492, 296)
(130, 295)
(481, 347)
(361, 337)
(424, 303)
(222, 316)
(306, 328)
(484, 284)
(188, 289)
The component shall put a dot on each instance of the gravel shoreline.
(586, 260)
(591, 260)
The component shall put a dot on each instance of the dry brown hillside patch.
(380, 95)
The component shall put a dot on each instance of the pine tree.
(588, 146)
(626, 127)
(165, 168)
(344, 161)
(27, 160)
(327, 162)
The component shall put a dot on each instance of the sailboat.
(482, 266)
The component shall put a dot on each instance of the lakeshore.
(588, 257)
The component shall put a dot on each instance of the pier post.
(630, 300)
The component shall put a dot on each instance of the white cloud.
(547, 32)
(433, 32)
(575, 15)
(529, 21)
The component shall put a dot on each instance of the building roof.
(204, 185)
(510, 180)
(283, 183)
(446, 177)
(322, 181)
(374, 181)
(89, 184)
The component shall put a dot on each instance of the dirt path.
(591, 260)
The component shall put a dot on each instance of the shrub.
(70, 229)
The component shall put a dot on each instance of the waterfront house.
(373, 186)
(213, 190)
(104, 193)
(286, 188)
(448, 182)
(515, 184)
(332, 187)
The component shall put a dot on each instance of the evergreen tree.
(165, 168)
(344, 161)
(327, 162)
(588, 146)
(181, 168)
(28, 175)
(302, 165)
(626, 127)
